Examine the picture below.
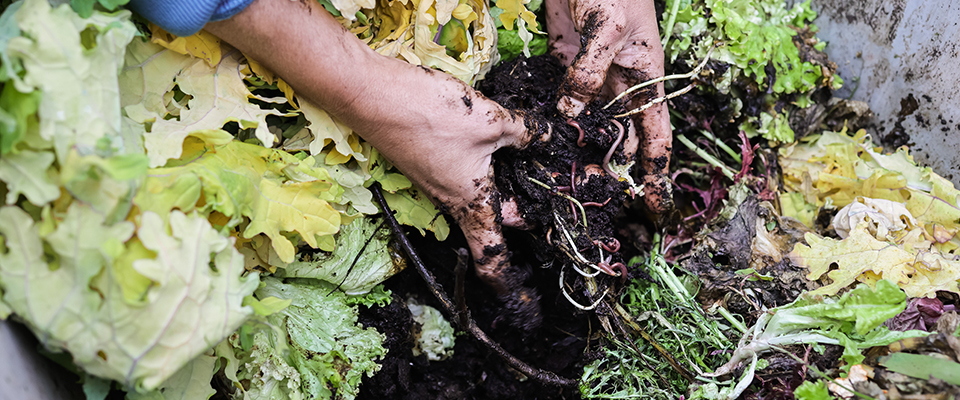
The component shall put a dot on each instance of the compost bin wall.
(902, 57)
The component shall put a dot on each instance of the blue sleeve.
(186, 17)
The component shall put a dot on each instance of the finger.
(512, 216)
(478, 221)
(564, 39)
(586, 75)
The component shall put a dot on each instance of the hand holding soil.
(621, 49)
(437, 130)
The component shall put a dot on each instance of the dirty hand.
(622, 48)
(437, 130)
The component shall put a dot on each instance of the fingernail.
(570, 107)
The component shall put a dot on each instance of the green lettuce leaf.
(355, 265)
(317, 351)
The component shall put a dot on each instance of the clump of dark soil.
(570, 163)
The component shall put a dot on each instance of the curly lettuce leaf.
(343, 268)
(317, 351)
(214, 96)
(74, 301)
(245, 180)
(75, 63)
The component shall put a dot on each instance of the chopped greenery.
(664, 310)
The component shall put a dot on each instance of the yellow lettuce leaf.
(836, 169)
(217, 95)
(240, 180)
(910, 262)
(202, 45)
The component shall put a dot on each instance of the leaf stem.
(707, 157)
(671, 20)
(721, 145)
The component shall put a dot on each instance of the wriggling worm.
(576, 124)
(613, 247)
(573, 182)
(595, 204)
(606, 158)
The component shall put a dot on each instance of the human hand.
(438, 131)
(622, 48)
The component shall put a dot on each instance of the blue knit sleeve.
(186, 17)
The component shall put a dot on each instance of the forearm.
(326, 64)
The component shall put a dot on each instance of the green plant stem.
(722, 145)
(707, 157)
(732, 320)
(671, 20)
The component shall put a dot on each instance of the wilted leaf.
(217, 96)
(861, 257)
(360, 261)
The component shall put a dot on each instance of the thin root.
(661, 79)
(656, 101)
(574, 302)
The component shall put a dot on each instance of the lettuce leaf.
(75, 302)
(317, 350)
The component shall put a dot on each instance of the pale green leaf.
(192, 382)
(414, 209)
(79, 84)
(27, 172)
(81, 307)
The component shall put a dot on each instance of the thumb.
(604, 30)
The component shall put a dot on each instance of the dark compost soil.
(565, 339)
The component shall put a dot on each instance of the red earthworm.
(573, 209)
(595, 204)
(575, 124)
(562, 188)
(623, 271)
(606, 159)
(612, 248)
(573, 183)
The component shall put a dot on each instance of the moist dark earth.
(567, 338)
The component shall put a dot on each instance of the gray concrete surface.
(25, 374)
(903, 58)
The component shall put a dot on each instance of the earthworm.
(573, 209)
(573, 183)
(563, 188)
(549, 232)
(576, 124)
(606, 159)
(615, 269)
(612, 248)
(623, 271)
(595, 204)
